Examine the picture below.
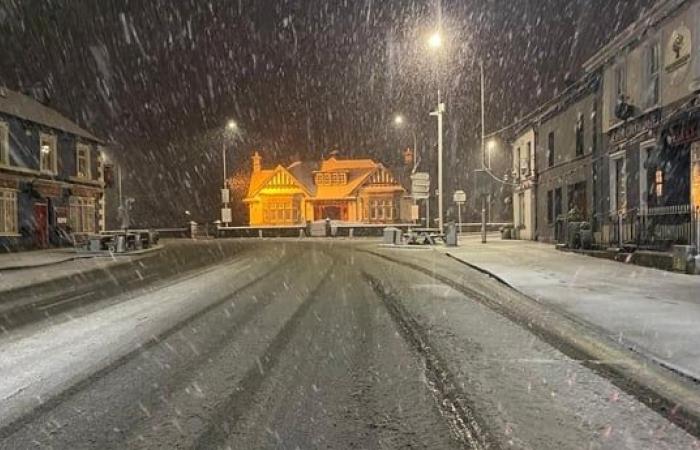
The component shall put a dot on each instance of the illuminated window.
(47, 154)
(280, 212)
(659, 183)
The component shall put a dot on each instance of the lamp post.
(231, 127)
(435, 42)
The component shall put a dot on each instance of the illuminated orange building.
(348, 190)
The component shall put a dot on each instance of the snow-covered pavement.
(653, 311)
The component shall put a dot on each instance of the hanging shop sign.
(678, 53)
(642, 127)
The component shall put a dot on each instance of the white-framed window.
(382, 209)
(82, 161)
(619, 91)
(8, 211)
(618, 183)
(47, 154)
(652, 69)
(4, 143)
(81, 216)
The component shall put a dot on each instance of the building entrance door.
(336, 211)
(41, 225)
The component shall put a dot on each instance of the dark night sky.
(302, 77)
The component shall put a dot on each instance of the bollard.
(351, 233)
(260, 234)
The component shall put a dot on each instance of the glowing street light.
(435, 40)
(231, 125)
(398, 120)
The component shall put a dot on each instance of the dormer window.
(331, 178)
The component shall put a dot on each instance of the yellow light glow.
(435, 40)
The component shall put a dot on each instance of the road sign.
(224, 195)
(420, 185)
(459, 196)
(226, 215)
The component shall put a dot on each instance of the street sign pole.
(459, 216)
(483, 219)
(459, 197)
(427, 212)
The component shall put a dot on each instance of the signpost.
(226, 215)
(459, 197)
(225, 210)
(420, 190)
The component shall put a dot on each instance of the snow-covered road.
(308, 345)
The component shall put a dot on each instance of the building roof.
(633, 33)
(304, 173)
(332, 164)
(25, 107)
(258, 180)
(357, 170)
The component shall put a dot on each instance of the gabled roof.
(263, 177)
(24, 107)
(258, 180)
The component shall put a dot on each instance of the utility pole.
(439, 112)
(483, 152)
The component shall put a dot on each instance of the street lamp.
(435, 42)
(231, 127)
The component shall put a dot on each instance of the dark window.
(577, 198)
(550, 149)
(594, 120)
(557, 203)
(579, 135)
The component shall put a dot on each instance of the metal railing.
(656, 228)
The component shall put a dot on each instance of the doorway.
(41, 225)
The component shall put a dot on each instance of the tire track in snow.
(49, 404)
(451, 400)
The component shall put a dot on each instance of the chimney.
(257, 162)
